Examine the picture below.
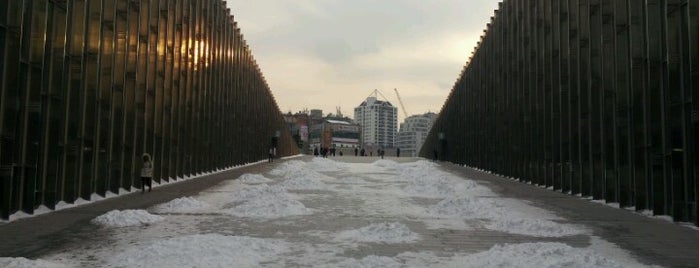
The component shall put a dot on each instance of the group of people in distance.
(147, 165)
(325, 152)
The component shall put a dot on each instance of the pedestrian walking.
(356, 151)
(271, 155)
(146, 173)
(397, 152)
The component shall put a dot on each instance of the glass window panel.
(38, 32)
(14, 13)
(3, 12)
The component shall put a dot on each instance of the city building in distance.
(413, 132)
(378, 122)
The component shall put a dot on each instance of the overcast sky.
(321, 54)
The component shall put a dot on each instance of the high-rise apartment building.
(378, 121)
(413, 133)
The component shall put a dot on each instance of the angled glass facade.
(88, 86)
(592, 97)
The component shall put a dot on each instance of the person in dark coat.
(146, 173)
(315, 151)
(397, 152)
(356, 151)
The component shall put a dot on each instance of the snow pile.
(249, 192)
(207, 250)
(266, 202)
(269, 209)
(502, 218)
(303, 183)
(534, 227)
(182, 205)
(466, 207)
(368, 261)
(438, 185)
(124, 218)
(27, 263)
(288, 167)
(351, 180)
(326, 165)
(297, 169)
(384, 163)
(420, 164)
(534, 255)
(253, 178)
(390, 233)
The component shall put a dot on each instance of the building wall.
(89, 86)
(596, 98)
(413, 133)
(378, 121)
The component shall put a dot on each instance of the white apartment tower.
(378, 122)
(413, 133)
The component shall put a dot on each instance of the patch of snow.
(81, 201)
(385, 163)
(258, 191)
(611, 250)
(390, 233)
(465, 207)
(303, 183)
(22, 262)
(604, 202)
(96, 197)
(351, 180)
(124, 218)
(367, 262)
(41, 210)
(265, 202)
(534, 255)
(109, 194)
(253, 178)
(287, 167)
(326, 165)
(203, 250)
(534, 227)
(19, 215)
(263, 209)
(440, 185)
(64, 205)
(664, 217)
(182, 205)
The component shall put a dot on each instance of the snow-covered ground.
(324, 213)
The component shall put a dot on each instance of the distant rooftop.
(337, 122)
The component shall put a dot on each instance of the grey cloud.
(347, 34)
(344, 29)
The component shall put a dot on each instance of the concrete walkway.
(650, 240)
(655, 240)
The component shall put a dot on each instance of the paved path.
(650, 240)
(654, 240)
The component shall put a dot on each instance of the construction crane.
(401, 103)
